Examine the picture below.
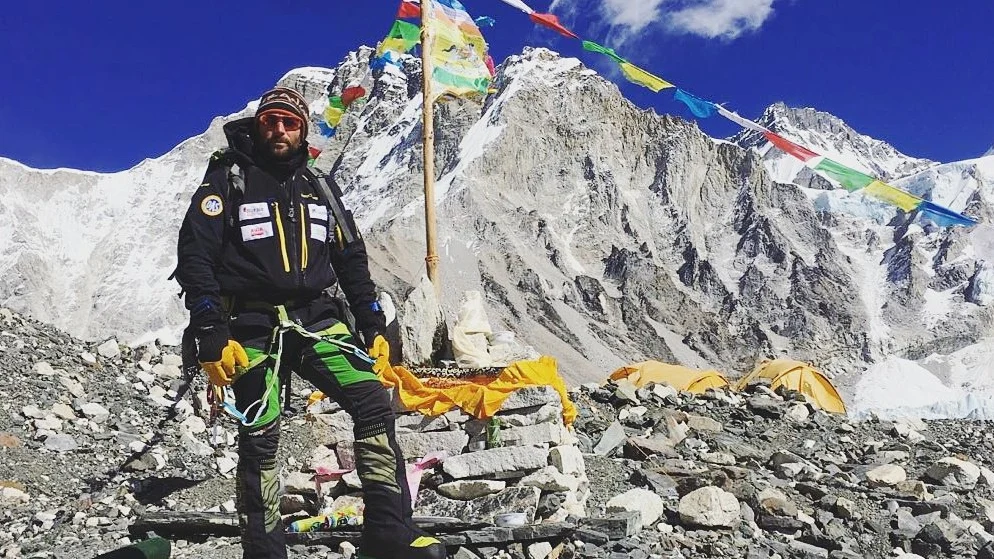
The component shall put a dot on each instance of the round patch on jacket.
(212, 206)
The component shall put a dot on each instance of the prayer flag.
(594, 47)
(743, 122)
(894, 196)
(520, 5)
(643, 78)
(552, 22)
(800, 152)
(944, 217)
(457, 49)
(408, 10)
(698, 106)
(850, 179)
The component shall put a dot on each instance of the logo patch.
(319, 232)
(256, 232)
(212, 206)
(317, 212)
(248, 212)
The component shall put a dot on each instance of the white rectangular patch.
(253, 211)
(319, 232)
(317, 212)
(257, 231)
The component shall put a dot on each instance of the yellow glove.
(380, 351)
(222, 373)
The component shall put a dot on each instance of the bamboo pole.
(431, 258)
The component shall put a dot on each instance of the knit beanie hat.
(284, 99)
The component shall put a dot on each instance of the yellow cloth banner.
(643, 78)
(481, 398)
(887, 193)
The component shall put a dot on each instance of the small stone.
(95, 412)
(568, 460)
(550, 479)
(798, 413)
(465, 490)
(649, 505)
(61, 443)
(954, 473)
(109, 349)
(63, 411)
(613, 437)
(42, 368)
(539, 550)
(704, 424)
(88, 358)
(887, 475)
(710, 507)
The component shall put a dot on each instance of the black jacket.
(282, 246)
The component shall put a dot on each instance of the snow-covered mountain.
(600, 233)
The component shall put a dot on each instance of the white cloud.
(628, 19)
(634, 15)
(726, 19)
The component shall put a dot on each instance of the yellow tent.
(801, 377)
(681, 378)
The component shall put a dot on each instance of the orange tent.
(681, 378)
(799, 376)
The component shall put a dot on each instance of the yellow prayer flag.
(643, 78)
(887, 193)
(396, 44)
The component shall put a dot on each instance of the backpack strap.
(332, 195)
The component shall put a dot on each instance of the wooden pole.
(431, 258)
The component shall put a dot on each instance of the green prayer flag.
(851, 179)
(410, 33)
(594, 47)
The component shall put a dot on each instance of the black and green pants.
(347, 379)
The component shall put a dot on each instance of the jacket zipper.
(303, 238)
(279, 230)
(296, 255)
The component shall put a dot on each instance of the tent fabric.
(799, 376)
(480, 397)
(681, 378)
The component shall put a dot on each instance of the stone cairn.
(536, 468)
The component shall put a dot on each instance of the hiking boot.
(424, 547)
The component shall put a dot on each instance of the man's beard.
(275, 145)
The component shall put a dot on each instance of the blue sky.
(102, 85)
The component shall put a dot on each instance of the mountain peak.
(829, 135)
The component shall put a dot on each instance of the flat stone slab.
(496, 461)
(482, 509)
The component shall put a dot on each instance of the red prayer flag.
(490, 66)
(408, 10)
(351, 94)
(800, 152)
(552, 22)
(313, 152)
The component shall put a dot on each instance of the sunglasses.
(290, 123)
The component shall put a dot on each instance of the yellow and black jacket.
(273, 239)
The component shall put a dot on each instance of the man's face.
(280, 132)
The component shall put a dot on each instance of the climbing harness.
(224, 398)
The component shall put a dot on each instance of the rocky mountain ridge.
(600, 233)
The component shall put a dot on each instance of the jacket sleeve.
(351, 265)
(199, 252)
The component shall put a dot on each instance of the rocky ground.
(88, 444)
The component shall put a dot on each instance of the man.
(257, 249)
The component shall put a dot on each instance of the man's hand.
(379, 350)
(222, 371)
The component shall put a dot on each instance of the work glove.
(218, 356)
(379, 350)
